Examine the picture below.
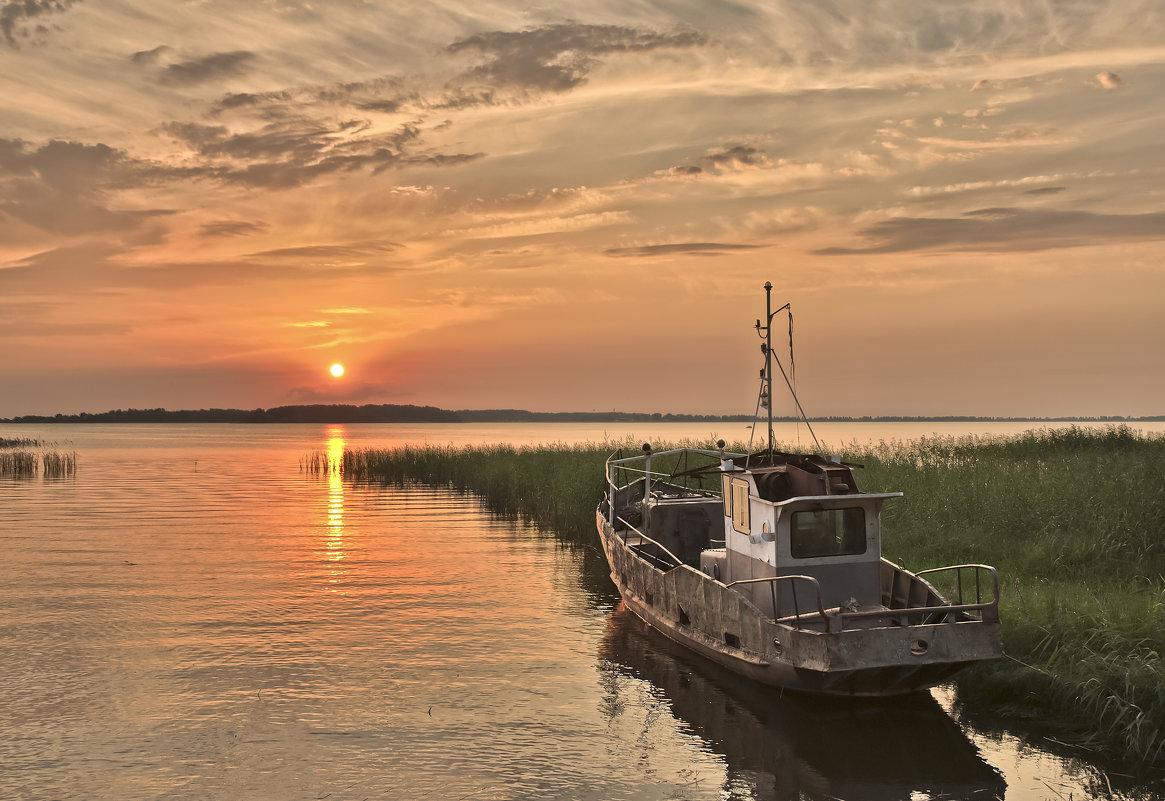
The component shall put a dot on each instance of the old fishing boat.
(770, 564)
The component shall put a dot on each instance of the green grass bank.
(1074, 520)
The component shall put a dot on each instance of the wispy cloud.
(1004, 229)
(1008, 139)
(64, 187)
(231, 228)
(679, 248)
(1109, 80)
(214, 67)
(296, 151)
(548, 59)
(356, 251)
(151, 56)
(17, 15)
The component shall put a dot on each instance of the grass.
(19, 442)
(1074, 520)
(18, 464)
(26, 464)
(58, 465)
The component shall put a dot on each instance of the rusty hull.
(719, 623)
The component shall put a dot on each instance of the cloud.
(682, 248)
(63, 187)
(384, 94)
(291, 152)
(549, 59)
(226, 228)
(95, 266)
(1109, 80)
(1004, 230)
(1010, 138)
(150, 56)
(356, 251)
(15, 14)
(1002, 183)
(738, 156)
(208, 68)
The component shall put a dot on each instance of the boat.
(770, 564)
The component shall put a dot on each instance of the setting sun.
(337, 370)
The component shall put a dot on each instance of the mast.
(766, 392)
(766, 332)
(769, 358)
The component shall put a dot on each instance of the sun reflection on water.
(334, 544)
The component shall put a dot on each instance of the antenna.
(766, 391)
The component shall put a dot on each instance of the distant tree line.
(316, 413)
(407, 413)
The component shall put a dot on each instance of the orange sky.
(574, 206)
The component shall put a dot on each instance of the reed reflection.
(789, 747)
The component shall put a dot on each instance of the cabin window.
(726, 493)
(828, 532)
(740, 517)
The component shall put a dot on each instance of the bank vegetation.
(1074, 520)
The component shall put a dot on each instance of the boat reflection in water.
(792, 746)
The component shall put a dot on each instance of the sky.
(575, 206)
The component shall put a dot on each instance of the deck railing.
(792, 579)
(676, 561)
(989, 610)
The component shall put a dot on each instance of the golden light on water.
(337, 370)
(335, 517)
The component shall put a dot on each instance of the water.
(191, 617)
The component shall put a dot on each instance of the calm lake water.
(192, 617)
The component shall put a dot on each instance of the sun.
(337, 370)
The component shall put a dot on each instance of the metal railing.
(960, 603)
(643, 537)
(628, 466)
(988, 610)
(792, 579)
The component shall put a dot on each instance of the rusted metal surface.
(710, 618)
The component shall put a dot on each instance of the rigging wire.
(756, 413)
(797, 401)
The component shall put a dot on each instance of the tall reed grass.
(1073, 519)
(58, 465)
(19, 442)
(26, 464)
(18, 464)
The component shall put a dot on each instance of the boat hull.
(713, 620)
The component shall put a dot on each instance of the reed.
(18, 464)
(26, 464)
(320, 462)
(19, 442)
(58, 465)
(1071, 518)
